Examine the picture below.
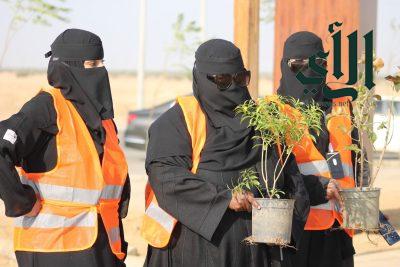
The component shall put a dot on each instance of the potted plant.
(274, 127)
(361, 204)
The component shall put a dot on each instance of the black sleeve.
(18, 136)
(189, 198)
(125, 198)
(295, 186)
(357, 164)
(316, 188)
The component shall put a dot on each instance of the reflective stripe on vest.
(76, 190)
(44, 220)
(114, 234)
(313, 167)
(159, 215)
(330, 205)
(64, 193)
(320, 166)
(111, 192)
(158, 225)
(72, 194)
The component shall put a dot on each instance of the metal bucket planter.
(272, 224)
(361, 208)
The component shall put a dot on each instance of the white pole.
(203, 20)
(141, 55)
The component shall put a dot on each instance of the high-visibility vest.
(158, 225)
(76, 190)
(311, 162)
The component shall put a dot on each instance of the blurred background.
(149, 53)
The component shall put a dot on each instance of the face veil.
(229, 142)
(300, 45)
(219, 57)
(88, 89)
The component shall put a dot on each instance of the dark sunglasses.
(224, 81)
(297, 65)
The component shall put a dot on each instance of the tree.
(39, 12)
(186, 40)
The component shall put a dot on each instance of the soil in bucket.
(361, 208)
(272, 224)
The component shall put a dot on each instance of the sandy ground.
(17, 89)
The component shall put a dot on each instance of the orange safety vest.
(311, 162)
(76, 190)
(157, 225)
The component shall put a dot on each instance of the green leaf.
(382, 125)
(372, 137)
(397, 87)
(353, 147)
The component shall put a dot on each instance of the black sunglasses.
(224, 81)
(297, 65)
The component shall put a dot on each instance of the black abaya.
(208, 233)
(326, 248)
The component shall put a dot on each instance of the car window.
(378, 108)
(396, 110)
(383, 106)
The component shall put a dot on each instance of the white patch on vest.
(10, 136)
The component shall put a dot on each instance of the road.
(389, 258)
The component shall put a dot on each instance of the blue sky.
(116, 22)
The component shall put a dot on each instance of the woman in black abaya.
(318, 248)
(211, 228)
(75, 68)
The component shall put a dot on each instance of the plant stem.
(283, 165)
(356, 169)
(262, 195)
(361, 160)
(277, 164)
(383, 150)
(264, 154)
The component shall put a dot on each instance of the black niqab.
(229, 142)
(88, 89)
(300, 45)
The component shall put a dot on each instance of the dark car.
(139, 122)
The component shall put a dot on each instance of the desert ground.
(17, 88)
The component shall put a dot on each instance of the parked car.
(381, 112)
(139, 122)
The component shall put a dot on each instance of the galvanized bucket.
(272, 224)
(361, 208)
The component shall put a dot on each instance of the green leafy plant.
(39, 12)
(248, 179)
(276, 127)
(362, 118)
